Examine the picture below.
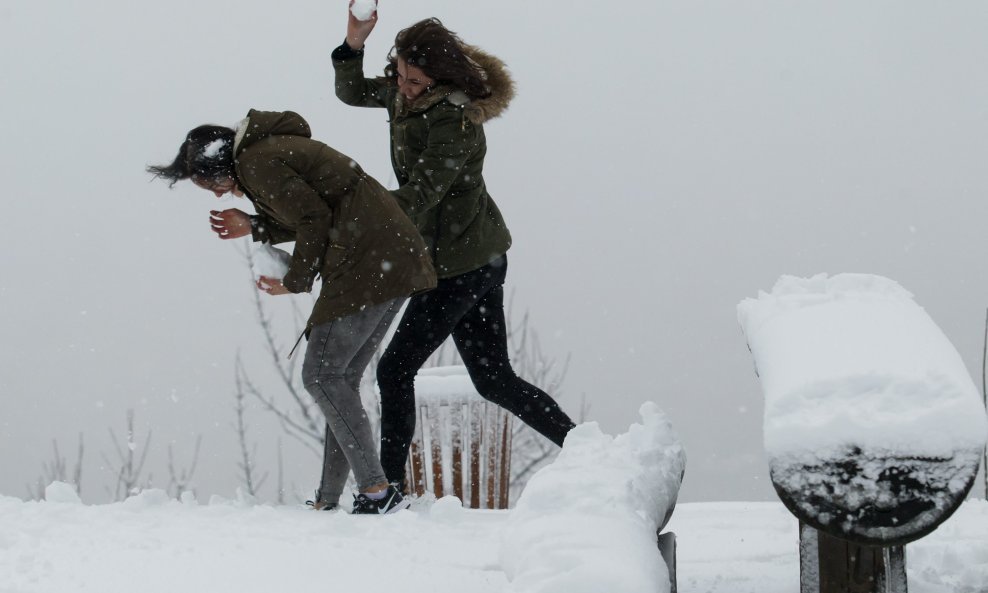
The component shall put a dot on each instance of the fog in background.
(662, 161)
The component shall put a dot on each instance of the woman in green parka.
(439, 92)
(348, 231)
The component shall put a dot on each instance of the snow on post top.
(445, 385)
(851, 359)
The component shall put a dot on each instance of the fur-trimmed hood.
(496, 77)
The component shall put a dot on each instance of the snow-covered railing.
(873, 426)
(462, 442)
(587, 522)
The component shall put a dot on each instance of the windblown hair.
(207, 154)
(440, 54)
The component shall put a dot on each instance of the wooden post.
(490, 445)
(831, 565)
(436, 452)
(667, 548)
(505, 458)
(456, 426)
(476, 432)
(416, 458)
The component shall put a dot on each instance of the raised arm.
(357, 31)
(348, 63)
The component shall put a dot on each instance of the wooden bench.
(462, 442)
(873, 428)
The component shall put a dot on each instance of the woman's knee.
(490, 385)
(393, 374)
(316, 373)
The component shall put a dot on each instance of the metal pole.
(984, 392)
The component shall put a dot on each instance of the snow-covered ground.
(584, 524)
(152, 545)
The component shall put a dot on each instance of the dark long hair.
(207, 154)
(440, 54)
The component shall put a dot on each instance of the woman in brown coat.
(350, 232)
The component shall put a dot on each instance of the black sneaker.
(400, 486)
(392, 502)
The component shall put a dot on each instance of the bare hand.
(271, 285)
(230, 223)
(357, 31)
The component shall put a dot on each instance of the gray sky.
(657, 167)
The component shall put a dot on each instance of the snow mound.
(363, 9)
(152, 497)
(62, 492)
(270, 261)
(588, 522)
(448, 509)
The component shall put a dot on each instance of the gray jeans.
(335, 359)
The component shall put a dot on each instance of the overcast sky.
(662, 161)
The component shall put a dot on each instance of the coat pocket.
(335, 260)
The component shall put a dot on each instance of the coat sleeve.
(351, 86)
(265, 230)
(451, 140)
(299, 205)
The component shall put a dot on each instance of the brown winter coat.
(437, 152)
(347, 228)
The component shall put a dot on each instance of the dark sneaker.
(400, 486)
(392, 502)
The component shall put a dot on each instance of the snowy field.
(150, 544)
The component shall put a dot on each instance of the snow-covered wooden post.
(873, 426)
(462, 442)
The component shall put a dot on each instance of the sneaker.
(392, 502)
(400, 486)
(321, 505)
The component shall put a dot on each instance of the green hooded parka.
(437, 152)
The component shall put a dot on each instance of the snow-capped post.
(873, 428)
(462, 442)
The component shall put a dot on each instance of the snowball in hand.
(270, 261)
(363, 9)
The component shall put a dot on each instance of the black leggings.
(471, 308)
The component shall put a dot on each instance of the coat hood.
(261, 124)
(497, 79)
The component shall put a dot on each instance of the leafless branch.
(179, 480)
(247, 453)
(129, 466)
(56, 470)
